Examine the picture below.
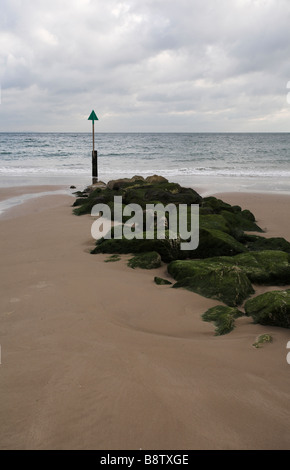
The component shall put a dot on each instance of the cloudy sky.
(145, 65)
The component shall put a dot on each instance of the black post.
(95, 166)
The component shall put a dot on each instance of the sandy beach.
(94, 355)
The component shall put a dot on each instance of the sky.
(145, 65)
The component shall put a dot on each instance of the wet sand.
(94, 355)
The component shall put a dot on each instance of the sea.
(210, 162)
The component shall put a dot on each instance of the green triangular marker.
(93, 116)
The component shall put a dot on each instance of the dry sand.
(96, 356)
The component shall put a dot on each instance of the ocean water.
(215, 162)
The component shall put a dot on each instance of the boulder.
(229, 284)
(258, 243)
(214, 242)
(214, 222)
(148, 260)
(223, 318)
(264, 267)
(117, 184)
(241, 220)
(156, 179)
(168, 249)
(271, 308)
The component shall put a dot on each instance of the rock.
(79, 201)
(213, 205)
(258, 243)
(168, 249)
(161, 282)
(228, 284)
(223, 318)
(238, 221)
(97, 196)
(214, 222)
(72, 187)
(271, 308)
(137, 178)
(156, 179)
(99, 184)
(117, 184)
(164, 193)
(264, 267)
(262, 339)
(215, 243)
(125, 182)
(148, 260)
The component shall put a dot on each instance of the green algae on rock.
(148, 260)
(168, 249)
(258, 243)
(271, 308)
(223, 318)
(262, 339)
(264, 267)
(161, 282)
(229, 284)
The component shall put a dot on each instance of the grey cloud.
(184, 64)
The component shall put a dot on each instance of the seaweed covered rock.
(148, 260)
(233, 215)
(215, 243)
(223, 318)
(161, 282)
(238, 220)
(168, 249)
(271, 308)
(264, 267)
(214, 222)
(212, 205)
(262, 339)
(229, 284)
(258, 243)
(138, 191)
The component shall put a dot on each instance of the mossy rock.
(161, 282)
(257, 243)
(229, 284)
(136, 190)
(168, 249)
(215, 206)
(98, 196)
(264, 267)
(149, 260)
(214, 222)
(239, 221)
(215, 243)
(223, 318)
(271, 308)
(262, 339)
